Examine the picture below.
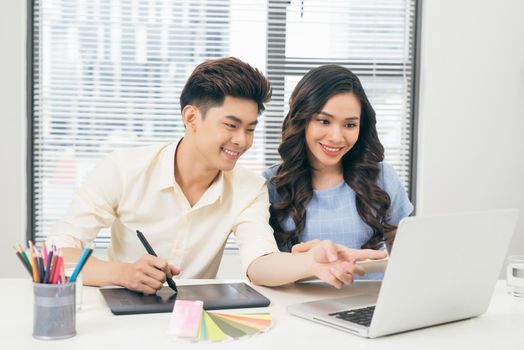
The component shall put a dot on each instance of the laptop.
(215, 296)
(441, 269)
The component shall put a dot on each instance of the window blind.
(108, 74)
(375, 39)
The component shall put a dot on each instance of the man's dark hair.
(213, 80)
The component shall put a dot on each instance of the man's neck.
(191, 173)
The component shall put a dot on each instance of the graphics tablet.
(123, 301)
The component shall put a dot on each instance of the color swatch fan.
(189, 322)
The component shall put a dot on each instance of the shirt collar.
(213, 193)
(166, 175)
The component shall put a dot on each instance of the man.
(188, 196)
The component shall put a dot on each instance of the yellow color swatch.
(214, 333)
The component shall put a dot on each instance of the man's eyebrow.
(239, 121)
(332, 116)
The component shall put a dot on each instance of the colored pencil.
(53, 268)
(44, 266)
(81, 262)
(41, 266)
(33, 265)
(22, 251)
(48, 267)
(24, 262)
(59, 262)
(44, 252)
(37, 267)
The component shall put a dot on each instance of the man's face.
(225, 132)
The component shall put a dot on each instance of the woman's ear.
(189, 116)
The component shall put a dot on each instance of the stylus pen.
(150, 250)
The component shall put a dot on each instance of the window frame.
(30, 108)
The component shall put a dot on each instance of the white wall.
(471, 134)
(12, 133)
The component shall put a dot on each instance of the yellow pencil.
(33, 266)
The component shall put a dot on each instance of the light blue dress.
(332, 213)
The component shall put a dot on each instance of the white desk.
(501, 327)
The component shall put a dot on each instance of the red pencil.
(59, 263)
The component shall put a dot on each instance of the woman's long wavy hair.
(360, 166)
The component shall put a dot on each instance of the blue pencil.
(48, 268)
(81, 262)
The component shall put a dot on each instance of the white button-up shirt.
(136, 189)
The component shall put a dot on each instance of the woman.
(332, 183)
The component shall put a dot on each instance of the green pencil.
(24, 262)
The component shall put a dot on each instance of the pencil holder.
(54, 313)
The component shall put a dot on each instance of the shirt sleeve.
(253, 234)
(268, 174)
(400, 207)
(93, 207)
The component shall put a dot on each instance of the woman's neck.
(326, 177)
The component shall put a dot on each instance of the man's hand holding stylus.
(147, 275)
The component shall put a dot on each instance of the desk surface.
(501, 327)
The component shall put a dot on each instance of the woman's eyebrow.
(332, 116)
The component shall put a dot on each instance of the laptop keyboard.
(359, 316)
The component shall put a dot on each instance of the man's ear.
(189, 115)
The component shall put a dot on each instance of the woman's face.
(333, 131)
